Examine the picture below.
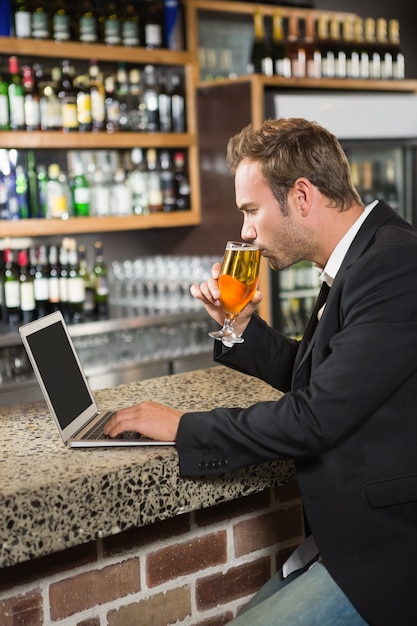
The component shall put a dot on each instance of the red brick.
(236, 583)
(159, 610)
(266, 530)
(94, 621)
(23, 610)
(83, 591)
(287, 492)
(186, 558)
(233, 508)
(139, 537)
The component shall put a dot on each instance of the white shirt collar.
(328, 274)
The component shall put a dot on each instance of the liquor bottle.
(326, 48)
(182, 183)
(80, 191)
(33, 185)
(100, 198)
(383, 48)
(154, 181)
(97, 94)
(67, 95)
(41, 281)
(312, 51)
(22, 193)
(121, 196)
(398, 59)
(42, 177)
(76, 285)
(40, 22)
(112, 24)
(137, 118)
(57, 193)
(295, 50)
(83, 100)
(122, 92)
(50, 104)
(362, 49)
(27, 292)
(260, 61)
(164, 103)
(153, 25)
(16, 96)
(61, 27)
(31, 100)
(4, 104)
(168, 186)
(53, 279)
(372, 49)
(173, 27)
(11, 287)
(178, 112)
(100, 282)
(22, 19)
(63, 278)
(86, 274)
(87, 23)
(150, 99)
(281, 63)
(111, 105)
(138, 181)
(130, 25)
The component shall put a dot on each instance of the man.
(349, 415)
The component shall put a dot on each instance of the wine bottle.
(383, 48)
(312, 51)
(31, 100)
(164, 104)
(16, 96)
(136, 108)
(182, 183)
(122, 92)
(86, 274)
(27, 292)
(63, 278)
(167, 182)
(178, 112)
(50, 104)
(22, 192)
(138, 181)
(4, 104)
(53, 279)
(100, 282)
(76, 285)
(374, 58)
(398, 59)
(150, 99)
(154, 181)
(121, 196)
(11, 286)
(57, 193)
(111, 104)
(295, 50)
(351, 50)
(67, 95)
(40, 281)
(33, 185)
(281, 62)
(153, 25)
(97, 95)
(130, 25)
(83, 99)
(260, 61)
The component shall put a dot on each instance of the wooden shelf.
(77, 225)
(92, 141)
(100, 52)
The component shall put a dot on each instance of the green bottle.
(80, 192)
(101, 286)
(16, 96)
(4, 104)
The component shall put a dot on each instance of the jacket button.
(202, 465)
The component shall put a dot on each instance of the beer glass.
(238, 280)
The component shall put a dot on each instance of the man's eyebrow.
(246, 206)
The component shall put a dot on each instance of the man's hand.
(148, 418)
(208, 293)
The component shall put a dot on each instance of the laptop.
(65, 387)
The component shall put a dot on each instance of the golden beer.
(238, 277)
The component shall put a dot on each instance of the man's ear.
(303, 195)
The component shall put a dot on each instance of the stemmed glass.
(238, 280)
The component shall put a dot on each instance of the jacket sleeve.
(362, 369)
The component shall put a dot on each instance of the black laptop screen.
(60, 372)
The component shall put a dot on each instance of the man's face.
(283, 239)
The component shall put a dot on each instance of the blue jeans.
(308, 597)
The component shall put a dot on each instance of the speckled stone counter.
(53, 498)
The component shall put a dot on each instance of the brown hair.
(288, 149)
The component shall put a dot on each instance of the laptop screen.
(60, 372)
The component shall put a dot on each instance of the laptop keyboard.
(98, 431)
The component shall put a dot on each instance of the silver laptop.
(65, 387)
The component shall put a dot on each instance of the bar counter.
(53, 498)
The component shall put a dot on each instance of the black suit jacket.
(348, 418)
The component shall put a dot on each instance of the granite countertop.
(53, 497)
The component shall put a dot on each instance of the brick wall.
(195, 569)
